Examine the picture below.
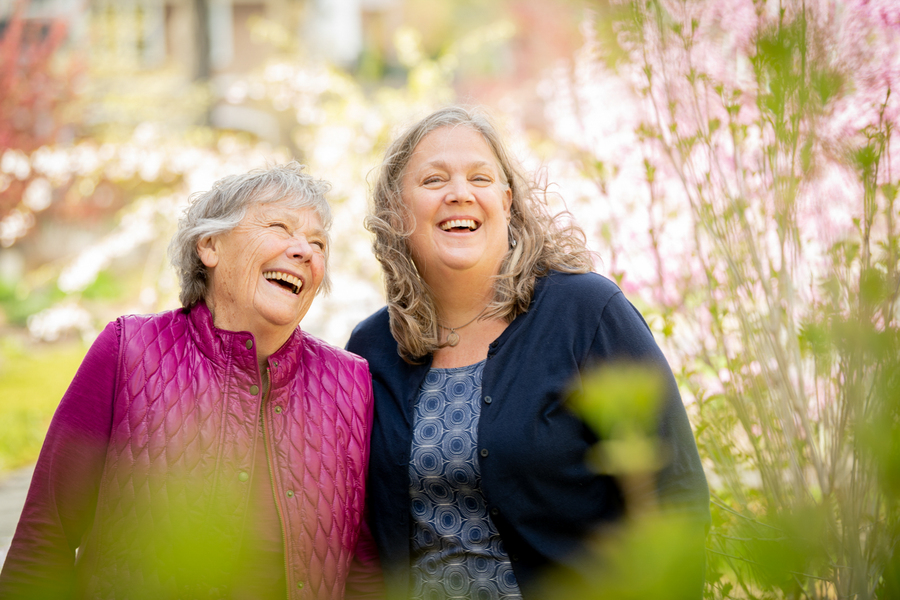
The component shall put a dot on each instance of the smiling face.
(264, 273)
(454, 188)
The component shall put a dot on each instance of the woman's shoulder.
(573, 289)
(329, 352)
(372, 340)
(130, 323)
(374, 330)
(164, 316)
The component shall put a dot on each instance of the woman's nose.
(300, 248)
(459, 190)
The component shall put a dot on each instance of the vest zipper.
(262, 420)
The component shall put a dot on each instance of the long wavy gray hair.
(222, 208)
(544, 242)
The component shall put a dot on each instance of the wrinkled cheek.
(319, 272)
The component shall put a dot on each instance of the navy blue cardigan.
(540, 493)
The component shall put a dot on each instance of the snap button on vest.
(278, 410)
(290, 493)
(243, 476)
(254, 389)
(300, 585)
(249, 344)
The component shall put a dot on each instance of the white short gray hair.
(222, 208)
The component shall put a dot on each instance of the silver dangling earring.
(512, 239)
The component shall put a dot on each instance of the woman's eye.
(432, 179)
(319, 243)
(279, 225)
(482, 179)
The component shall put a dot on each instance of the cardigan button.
(484, 452)
(495, 511)
(254, 389)
(487, 400)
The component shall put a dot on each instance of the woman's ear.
(206, 249)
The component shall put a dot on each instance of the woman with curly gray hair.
(478, 480)
(217, 450)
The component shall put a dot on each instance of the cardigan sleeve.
(624, 335)
(62, 497)
(679, 486)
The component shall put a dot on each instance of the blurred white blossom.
(38, 195)
(54, 322)
(15, 162)
(135, 228)
(15, 225)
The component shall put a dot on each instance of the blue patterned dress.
(456, 549)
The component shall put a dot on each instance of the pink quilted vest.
(174, 492)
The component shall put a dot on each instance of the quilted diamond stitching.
(181, 404)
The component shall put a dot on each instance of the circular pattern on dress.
(481, 565)
(459, 416)
(482, 591)
(456, 580)
(431, 405)
(461, 475)
(421, 509)
(506, 578)
(459, 389)
(429, 460)
(471, 505)
(437, 491)
(429, 433)
(448, 519)
(456, 549)
(432, 591)
(474, 533)
(455, 445)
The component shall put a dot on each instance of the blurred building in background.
(108, 106)
(218, 40)
(210, 41)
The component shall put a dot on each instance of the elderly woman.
(217, 450)
(478, 480)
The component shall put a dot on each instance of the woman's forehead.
(455, 143)
(284, 210)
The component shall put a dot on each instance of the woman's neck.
(266, 342)
(459, 300)
(466, 335)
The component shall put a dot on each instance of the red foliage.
(34, 88)
(32, 91)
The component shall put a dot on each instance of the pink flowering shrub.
(740, 159)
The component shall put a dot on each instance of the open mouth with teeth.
(285, 280)
(459, 225)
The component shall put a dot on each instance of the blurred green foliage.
(756, 120)
(648, 556)
(621, 403)
(33, 379)
(654, 551)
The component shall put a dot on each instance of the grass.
(33, 379)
